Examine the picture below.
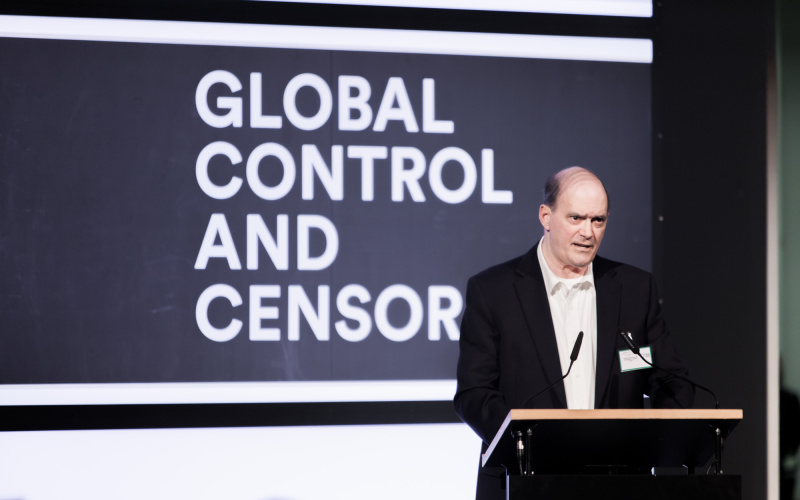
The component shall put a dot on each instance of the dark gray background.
(103, 217)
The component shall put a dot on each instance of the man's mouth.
(579, 245)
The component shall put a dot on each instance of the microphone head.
(629, 340)
(577, 348)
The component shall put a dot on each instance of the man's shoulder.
(506, 268)
(510, 269)
(603, 267)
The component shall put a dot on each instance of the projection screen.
(217, 213)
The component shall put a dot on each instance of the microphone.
(575, 350)
(572, 357)
(635, 349)
(629, 340)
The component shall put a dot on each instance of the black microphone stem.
(575, 350)
(635, 349)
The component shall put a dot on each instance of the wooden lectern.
(564, 454)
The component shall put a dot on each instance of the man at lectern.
(523, 318)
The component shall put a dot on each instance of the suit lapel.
(609, 293)
(535, 306)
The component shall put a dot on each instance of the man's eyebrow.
(587, 216)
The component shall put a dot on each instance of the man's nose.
(586, 228)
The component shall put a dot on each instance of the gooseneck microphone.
(572, 357)
(635, 349)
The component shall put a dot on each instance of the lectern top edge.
(622, 414)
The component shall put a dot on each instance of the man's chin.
(583, 260)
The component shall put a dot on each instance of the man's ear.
(544, 216)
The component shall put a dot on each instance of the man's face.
(574, 228)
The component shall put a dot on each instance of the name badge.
(629, 361)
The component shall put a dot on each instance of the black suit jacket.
(508, 349)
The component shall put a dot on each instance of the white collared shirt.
(573, 307)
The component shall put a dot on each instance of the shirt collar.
(551, 281)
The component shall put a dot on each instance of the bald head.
(556, 184)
